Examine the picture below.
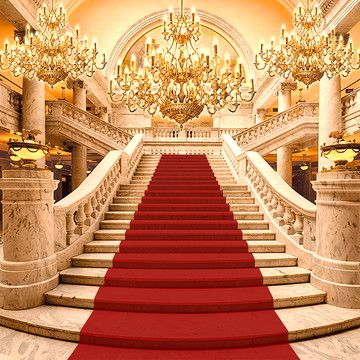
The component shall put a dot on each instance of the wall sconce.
(25, 152)
(341, 152)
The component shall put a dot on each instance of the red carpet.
(183, 285)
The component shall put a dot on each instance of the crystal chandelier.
(305, 54)
(179, 81)
(51, 54)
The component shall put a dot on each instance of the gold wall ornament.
(305, 54)
(51, 54)
(177, 80)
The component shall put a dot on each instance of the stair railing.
(292, 216)
(78, 215)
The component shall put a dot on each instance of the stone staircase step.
(65, 323)
(154, 261)
(246, 234)
(157, 277)
(111, 246)
(170, 300)
(123, 207)
(242, 224)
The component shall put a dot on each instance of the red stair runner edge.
(88, 348)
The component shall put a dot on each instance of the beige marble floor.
(16, 345)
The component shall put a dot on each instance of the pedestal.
(336, 264)
(28, 267)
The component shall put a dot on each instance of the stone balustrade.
(66, 120)
(297, 124)
(291, 215)
(351, 111)
(189, 133)
(79, 213)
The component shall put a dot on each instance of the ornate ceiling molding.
(146, 24)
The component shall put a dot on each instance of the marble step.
(129, 215)
(65, 323)
(111, 246)
(250, 208)
(231, 193)
(242, 224)
(95, 276)
(83, 296)
(101, 260)
(246, 234)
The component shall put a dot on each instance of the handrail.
(292, 212)
(90, 121)
(274, 123)
(78, 213)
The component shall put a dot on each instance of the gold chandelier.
(179, 81)
(51, 54)
(305, 54)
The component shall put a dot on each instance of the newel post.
(28, 267)
(336, 263)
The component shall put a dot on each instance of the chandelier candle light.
(306, 55)
(51, 54)
(179, 81)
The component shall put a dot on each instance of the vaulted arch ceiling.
(253, 20)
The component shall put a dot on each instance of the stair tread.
(66, 322)
(282, 295)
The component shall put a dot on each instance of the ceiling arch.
(71, 5)
(146, 24)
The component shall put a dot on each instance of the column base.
(26, 296)
(23, 284)
(339, 279)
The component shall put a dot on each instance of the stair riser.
(218, 265)
(257, 236)
(243, 226)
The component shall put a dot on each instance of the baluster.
(288, 220)
(88, 212)
(260, 185)
(263, 192)
(299, 227)
(268, 199)
(70, 227)
(80, 218)
(280, 210)
(274, 204)
(98, 201)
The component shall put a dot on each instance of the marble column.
(29, 265)
(33, 109)
(78, 165)
(336, 263)
(79, 152)
(330, 114)
(260, 115)
(284, 154)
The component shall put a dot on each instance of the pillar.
(79, 152)
(78, 165)
(330, 114)
(33, 109)
(28, 268)
(336, 263)
(260, 115)
(284, 154)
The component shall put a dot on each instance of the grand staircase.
(155, 281)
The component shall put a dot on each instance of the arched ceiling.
(255, 21)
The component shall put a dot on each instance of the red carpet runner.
(183, 285)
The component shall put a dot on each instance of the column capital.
(80, 84)
(287, 86)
